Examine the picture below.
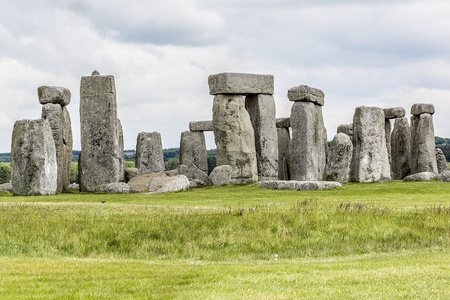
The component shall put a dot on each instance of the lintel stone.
(53, 94)
(240, 84)
(306, 93)
(201, 126)
(394, 112)
(422, 108)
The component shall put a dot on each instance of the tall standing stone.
(149, 153)
(341, 152)
(423, 157)
(193, 154)
(34, 169)
(370, 160)
(400, 149)
(102, 156)
(284, 140)
(308, 147)
(234, 137)
(261, 109)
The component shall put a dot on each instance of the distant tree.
(171, 164)
(5, 173)
(129, 164)
(212, 163)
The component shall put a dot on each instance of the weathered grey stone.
(182, 170)
(299, 185)
(73, 187)
(444, 176)
(387, 135)
(441, 161)
(400, 149)
(261, 109)
(102, 156)
(34, 170)
(308, 147)
(201, 126)
(283, 122)
(240, 84)
(139, 183)
(149, 153)
(347, 129)
(284, 139)
(193, 155)
(196, 183)
(423, 154)
(422, 176)
(168, 184)
(370, 160)
(115, 187)
(341, 152)
(394, 112)
(234, 137)
(306, 93)
(221, 175)
(53, 94)
(121, 149)
(131, 172)
(422, 108)
(59, 120)
(6, 187)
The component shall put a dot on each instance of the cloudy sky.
(373, 53)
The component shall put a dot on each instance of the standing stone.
(59, 120)
(34, 170)
(234, 137)
(347, 129)
(441, 161)
(101, 162)
(193, 154)
(308, 147)
(423, 154)
(400, 149)
(121, 149)
(261, 109)
(149, 153)
(370, 157)
(284, 140)
(387, 135)
(341, 152)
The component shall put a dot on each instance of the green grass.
(379, 240)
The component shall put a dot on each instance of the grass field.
(377, 241)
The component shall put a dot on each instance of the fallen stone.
(193, 155)
(394, 112)
(6, 187)
(422, 108)
(196, 183)
(306, 93)
(115, 187)
(338, 166)
(283, 122)
(201, 126)
(168, 184)
(423, 153)
(131, 172)
(444, 176)
(422, 176)
(54, 94)
(400, 149)
(140, 183)
(240, 84)
(221, 175)
(299, 185)
(441, 161)
(149, 153)
(34, 170)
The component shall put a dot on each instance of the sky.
(373, 53)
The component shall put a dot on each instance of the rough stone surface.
(441, 161)
(121, 149)
(370, 160)
(221, 175)
(201, 126)
(34, 170)
(261, 109)
(308, 147)
(283, 122)
(234, 137)
(347, 129)
(131, 172)
(299, 185)
(444, 176)
(196, 183)
(422, 108)
(394, 112)
(149, 153)
(6, 187)
(423, 153)
(400, 149)
(102, 156)
(182, 170)
(284, 140)
(422, 176)
(139, 183)
(59, 120)
(115, 187)
(168, 184)
(306, 93)
(240, 84)
(387, 135)
(193, 155)
(341, 152)
(54, 94)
